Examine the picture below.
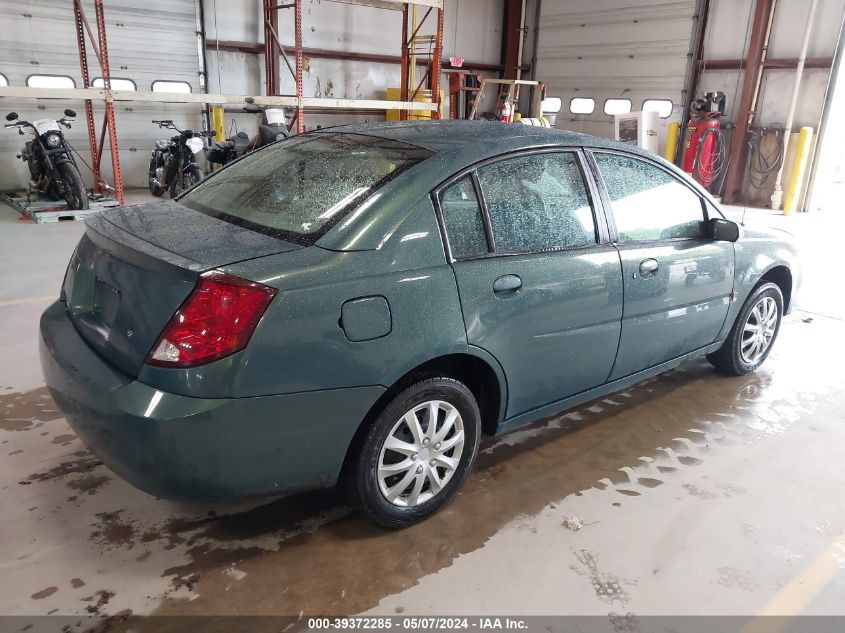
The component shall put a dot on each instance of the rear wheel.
(191, 175)
(73, 189)
(753, 333)
(416, 454)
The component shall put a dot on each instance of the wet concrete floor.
(691, 493)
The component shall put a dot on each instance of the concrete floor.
(699, 494)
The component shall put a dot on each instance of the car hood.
(194, 235)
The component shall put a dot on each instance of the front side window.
(537, 202)
(648, 202)
(298, 189)
(462, 219)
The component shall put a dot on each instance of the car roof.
(477, 140)
(458, 145)
(450, 133)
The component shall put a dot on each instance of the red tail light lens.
(216, 320)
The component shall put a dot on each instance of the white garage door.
(150, 41)
(599, 50)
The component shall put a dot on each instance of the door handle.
(507, 284)
(649, 267)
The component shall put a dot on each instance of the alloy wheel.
(759, 330)
(421, 453)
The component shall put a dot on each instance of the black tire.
(728, 359)
(73, 188)
(360, 480)
(157, 191)
(191, 175)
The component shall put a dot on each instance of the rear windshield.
(299, 188)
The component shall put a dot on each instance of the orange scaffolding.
(415, 46)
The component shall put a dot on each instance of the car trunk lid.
(133, 268)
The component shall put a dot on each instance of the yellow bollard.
(796, 180)
(672, 141)
(219, 124)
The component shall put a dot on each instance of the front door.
(678, 281)
(539, 290)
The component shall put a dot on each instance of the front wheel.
(73, 189)
(156, 188)
(191, 175)
(753, 333)
(416, 454)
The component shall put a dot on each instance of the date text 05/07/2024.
(412, 623)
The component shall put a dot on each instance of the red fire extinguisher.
(507, 112)
(703, 143)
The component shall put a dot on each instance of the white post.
(777, 196)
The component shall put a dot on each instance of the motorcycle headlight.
(195, 144)
(52, 140)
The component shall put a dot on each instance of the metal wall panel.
(727, 38)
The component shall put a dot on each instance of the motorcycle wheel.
(157, 191)
(74, 189)
(191, 175)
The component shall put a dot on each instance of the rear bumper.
(198, 449)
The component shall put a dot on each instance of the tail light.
(216, 320)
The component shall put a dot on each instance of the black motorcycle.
(172, 164)
(224, 152)
(52, 168)
(271, 129)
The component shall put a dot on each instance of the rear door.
(678, 281)
(539, 282)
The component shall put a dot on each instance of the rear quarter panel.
(300, 344)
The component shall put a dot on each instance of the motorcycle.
(271, 129)
(52, 168)
(172, 164)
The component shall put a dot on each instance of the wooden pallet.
(43, 211)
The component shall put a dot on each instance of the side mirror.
(723, 230)
(12, 116)
(70, 113)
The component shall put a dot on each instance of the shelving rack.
(410, 47)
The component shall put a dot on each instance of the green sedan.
(358, 305)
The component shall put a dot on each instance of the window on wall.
(50, 81)
(663, 107)
(582, 105)
(462, 219)
(4, 81)
(649, 203)
(171, 86)
(116, 84)
(617, 106)
(550, 105)
(537, 202)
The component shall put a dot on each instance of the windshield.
(299, 188)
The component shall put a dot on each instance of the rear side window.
(462, 218)
(648, 202)
(298, 189)
(537, 202)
